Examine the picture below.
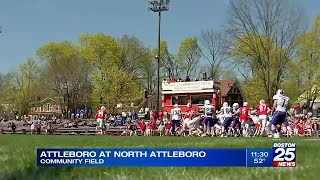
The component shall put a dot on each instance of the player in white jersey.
(280, 112)
(176, 117)
(227, 113)
(209, 118)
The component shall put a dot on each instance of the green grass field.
(18, 158)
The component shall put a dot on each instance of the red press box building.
(195, 93)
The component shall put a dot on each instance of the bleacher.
(68, 131)
(57, 129)
(111, 131)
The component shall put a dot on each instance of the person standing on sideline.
(315, 110)
(101, 116)
(123, 118)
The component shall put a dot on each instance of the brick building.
(45, 107)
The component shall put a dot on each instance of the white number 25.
(284, 154)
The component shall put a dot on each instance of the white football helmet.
(245, 104)
(235, 105)
(207, 102)
(280, 92)
(309, 114)
(103, 108)
(225, 104)
(176, 106)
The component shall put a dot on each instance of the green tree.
(24, 83)
(66, 74)
(112, 83)
(293, 84)
(228, 74)
(188, 56)
(265, 35)
(137, 60)
(168, 63)
(252, 89)
(309, 61)
(148, 72)
(133, 55)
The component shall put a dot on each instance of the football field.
(18, 158)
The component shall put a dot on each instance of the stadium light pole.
(158, 6)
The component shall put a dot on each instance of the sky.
(30, 24)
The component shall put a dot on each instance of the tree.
(293, 85)
(228, 74)
(252, 90)
(103, 52)
(268, 31)
(167, 60)
(215, 50)
(119, 87)
(24, 83)
(5, 107)
(188, 56)
(309, 62)
(137, 60)
(133, 55)
(112, 82)
(3, 79)
(66, 74)
(148, 73)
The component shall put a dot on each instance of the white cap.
(176, 106)
(245, 104)
(225, 104)
(188, 105)
(207, 102)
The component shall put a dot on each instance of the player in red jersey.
(263, 110)
(101, 116)
(244, 113)
(188, 117)
(142, 126)
(295, 127)
(301, 127)
(194, 124)
(168, 128)
(308, 126)
(152, 127)
(152, 118)
(161, 115)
